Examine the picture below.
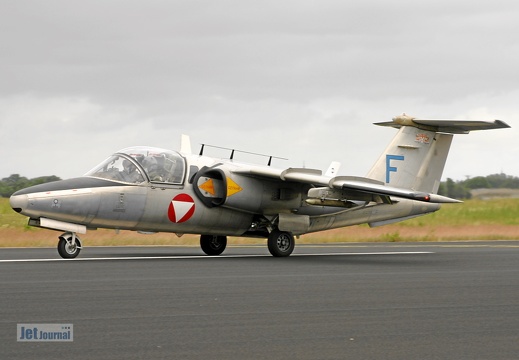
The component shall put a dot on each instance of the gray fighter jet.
(148, 189)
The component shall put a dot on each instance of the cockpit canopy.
(139, 164)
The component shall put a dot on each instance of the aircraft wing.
(368, 186)
(357, 187)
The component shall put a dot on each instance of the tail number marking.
(389, 168)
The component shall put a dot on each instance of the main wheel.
(281, 243)
(66, 249)
(213, 244)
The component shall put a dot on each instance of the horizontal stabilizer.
(444, 126)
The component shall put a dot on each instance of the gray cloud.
(300, 79)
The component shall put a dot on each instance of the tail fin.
(416, 157)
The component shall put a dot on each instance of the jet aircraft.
(150, 190)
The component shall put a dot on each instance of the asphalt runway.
(350, 301)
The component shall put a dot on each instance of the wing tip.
(501, 124)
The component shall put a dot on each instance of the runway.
(358, 301)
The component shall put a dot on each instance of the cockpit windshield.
(138, 164)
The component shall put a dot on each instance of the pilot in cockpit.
(130, 173)
(152, 168)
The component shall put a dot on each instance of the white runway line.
(193, 257)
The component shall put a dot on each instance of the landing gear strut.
(281, 243)
(213, 244)
(69, 245)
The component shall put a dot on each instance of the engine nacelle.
(220, 187)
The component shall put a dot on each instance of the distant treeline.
(454, 189)
(461, 189)
(15, 182)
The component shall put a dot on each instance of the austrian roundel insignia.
(181, 208)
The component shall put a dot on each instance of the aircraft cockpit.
(140, 164)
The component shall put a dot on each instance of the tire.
(281, 243)
(213, 245)
(65, 250)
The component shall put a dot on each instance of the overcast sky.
(301, 79)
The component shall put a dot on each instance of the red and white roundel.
(181, 209)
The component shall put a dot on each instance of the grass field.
(496, 219)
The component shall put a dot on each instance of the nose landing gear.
(69, 245)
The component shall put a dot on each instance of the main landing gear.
(69, 245)
(281, 243)
(213, 244)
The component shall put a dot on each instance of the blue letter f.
(389, 168)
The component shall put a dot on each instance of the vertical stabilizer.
(416, 156)
(413, 160)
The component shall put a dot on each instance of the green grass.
(472, 212)
(475, 212)
(484, 212)
(9, 218)
(496, 219)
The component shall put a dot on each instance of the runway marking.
(193, 257)
(408, 245)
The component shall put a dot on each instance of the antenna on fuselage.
(231, 157)
(185, 144)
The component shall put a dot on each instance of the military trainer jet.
(148, 189)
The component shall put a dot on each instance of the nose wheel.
(69, 246)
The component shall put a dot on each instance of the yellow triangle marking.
(232, 187)
(208, 187)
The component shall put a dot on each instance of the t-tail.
(416, 156)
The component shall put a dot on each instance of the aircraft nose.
(18, 202)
